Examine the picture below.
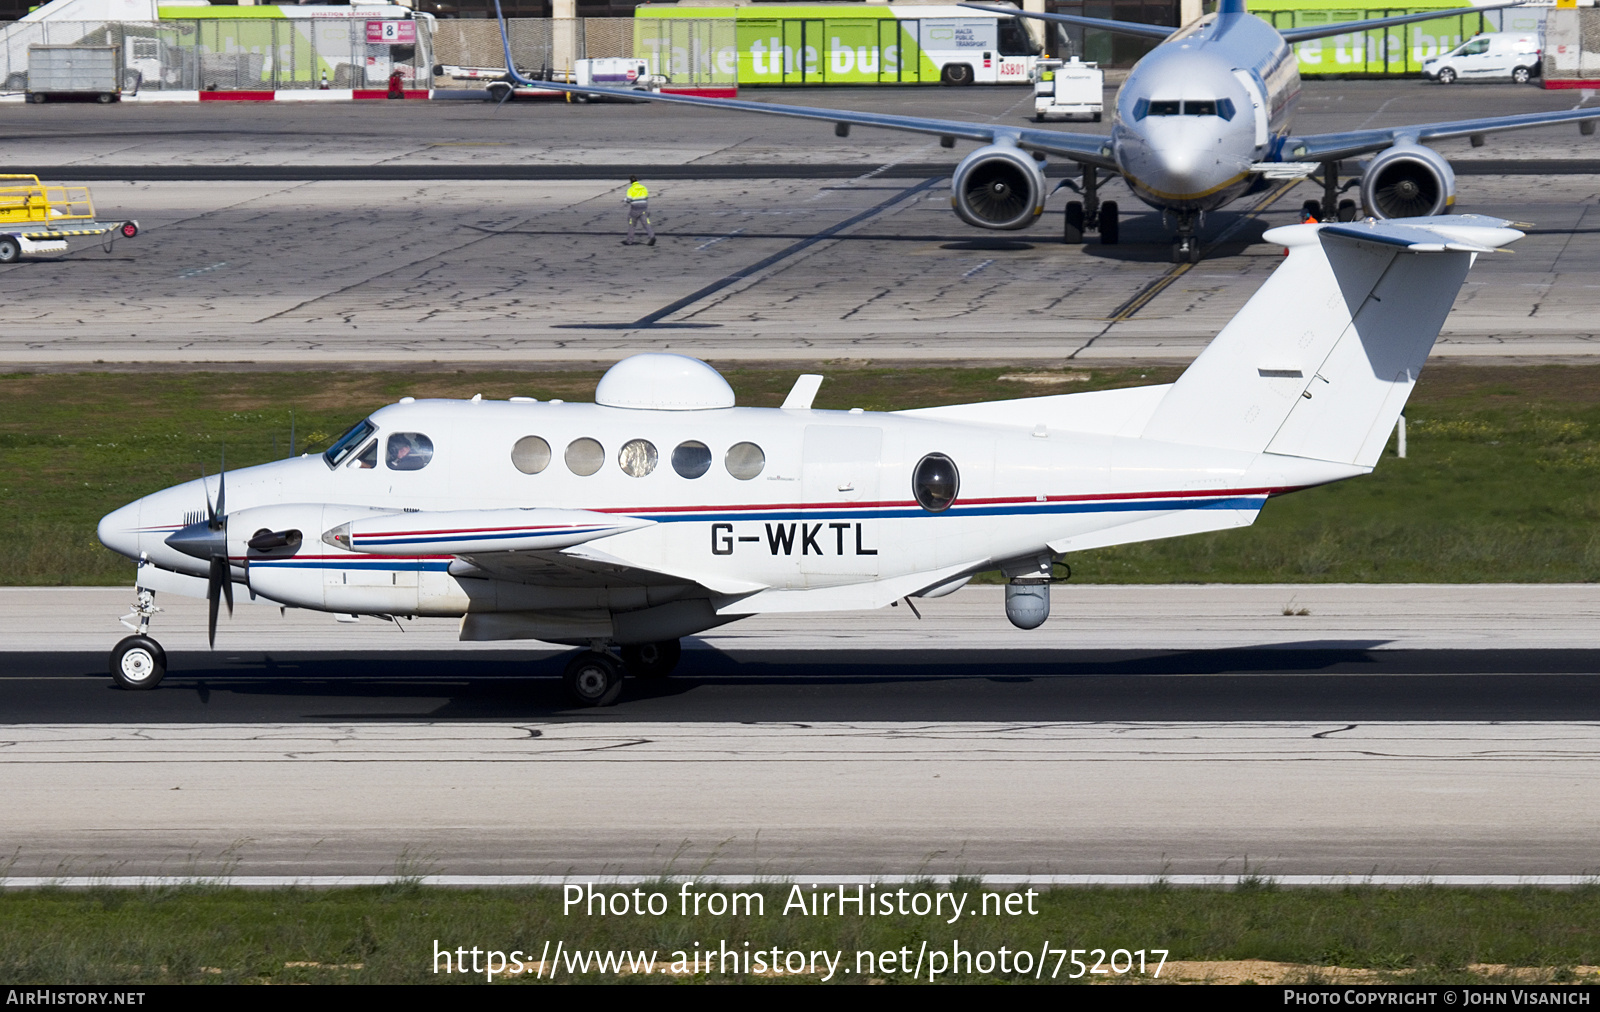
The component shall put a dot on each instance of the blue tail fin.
(1231, 7)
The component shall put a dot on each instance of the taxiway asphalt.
(858, 260)
(1189, 730)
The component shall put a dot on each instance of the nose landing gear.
(138, 662)
(1186, 247)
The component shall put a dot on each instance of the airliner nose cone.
(199, 541)
(119, 530)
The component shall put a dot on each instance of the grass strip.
(1499, 484)
(390, 934)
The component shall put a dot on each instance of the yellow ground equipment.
(39, 218)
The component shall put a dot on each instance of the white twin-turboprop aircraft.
(662, 509)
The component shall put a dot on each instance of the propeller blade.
(217, 579)
(222, 488)
(205, 486)
(227, 585)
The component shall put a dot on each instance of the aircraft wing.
(1327, 147)
(1093, 149)
(1293, 35)
(1290, 35)
(1138, 28)
(587, 566)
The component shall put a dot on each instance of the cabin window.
(637, 458)
(585, 456)
(745, 460)
(691, 459)
(1166, 107)
(368, 457)
(935, 482)
(347, 443)
(408, 451)
(531, 455)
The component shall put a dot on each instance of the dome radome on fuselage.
(660, 381)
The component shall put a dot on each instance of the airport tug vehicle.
(1068, 89)
(36, 218)
(664, 509)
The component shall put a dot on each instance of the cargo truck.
(74, 72)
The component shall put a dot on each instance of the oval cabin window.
(531, 455)
(691, 459)
(637, 458)
(935, 482)
(745, 460)
(408, 451)
(584, 456)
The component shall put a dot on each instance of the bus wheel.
(956, 73)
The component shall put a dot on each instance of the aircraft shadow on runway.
(1312, 681)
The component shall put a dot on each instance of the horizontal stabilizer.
(1469, 233)
(457, 532)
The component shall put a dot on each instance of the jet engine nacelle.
(999, 187)
(1407, 181)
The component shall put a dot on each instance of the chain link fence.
(231, 54)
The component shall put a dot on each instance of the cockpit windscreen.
(347, 443)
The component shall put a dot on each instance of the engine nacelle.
(1407, 181)
(999, 187)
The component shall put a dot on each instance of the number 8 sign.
(391, 32)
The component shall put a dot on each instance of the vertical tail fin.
(1320, 361)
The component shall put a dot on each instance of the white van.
(1493, 56)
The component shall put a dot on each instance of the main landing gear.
(594, 677)
(138, 662)
(1090, 214)
(1330, 207)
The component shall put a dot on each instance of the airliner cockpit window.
(367, 458)
(1166, 107)
(347, 443)
(1200, 107)
(408, 451)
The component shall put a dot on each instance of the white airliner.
(1203, 119)
(663, 509)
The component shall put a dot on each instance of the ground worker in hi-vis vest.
(638, 201)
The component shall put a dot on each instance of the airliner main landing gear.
(1330, 207)
(1089, 214)
(138, 662)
